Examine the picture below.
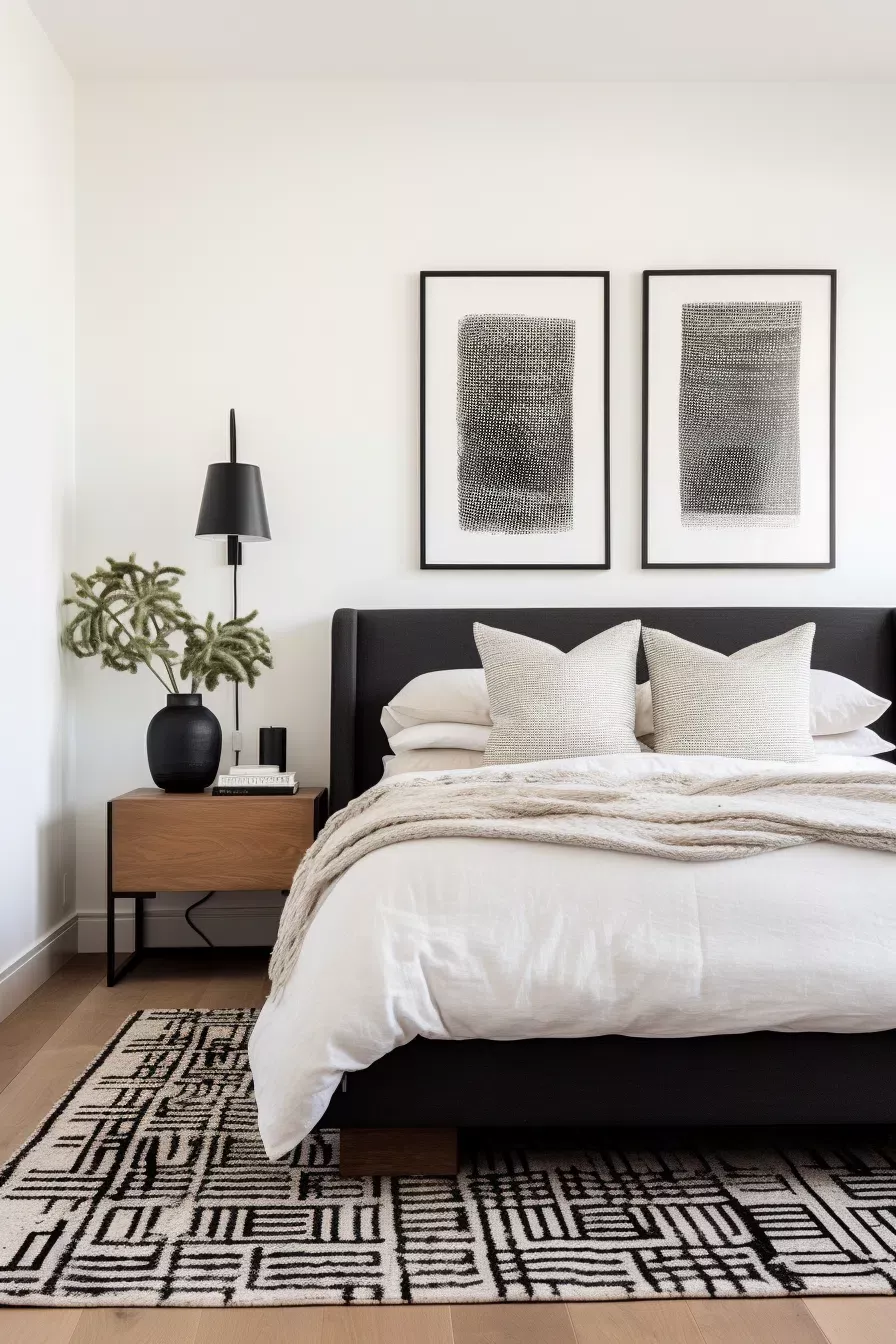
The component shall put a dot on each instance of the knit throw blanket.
(694, 817)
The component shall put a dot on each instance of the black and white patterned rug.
(148, 1185)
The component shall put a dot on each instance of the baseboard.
(234, 926)
(28, 972)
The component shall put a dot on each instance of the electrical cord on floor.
(202, 900)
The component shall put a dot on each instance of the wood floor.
(52, 1038)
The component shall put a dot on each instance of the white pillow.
(423, 736)
(840, 705)
(409, 762)
(858, 742)
(438, 759)
(549, 705)
(457, 695)
(836, 705)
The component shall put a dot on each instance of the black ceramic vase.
(183, 744)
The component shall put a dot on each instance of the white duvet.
(454, 938)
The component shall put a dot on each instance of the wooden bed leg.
(398, 1152)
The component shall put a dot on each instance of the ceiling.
(477, 39)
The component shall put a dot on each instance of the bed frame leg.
(398, 1152)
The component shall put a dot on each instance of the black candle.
(272, 747)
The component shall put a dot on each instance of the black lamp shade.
(233, 503)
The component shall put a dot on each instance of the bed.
(402, 1112)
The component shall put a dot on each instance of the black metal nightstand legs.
(115, 972)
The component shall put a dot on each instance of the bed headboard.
(376, 652)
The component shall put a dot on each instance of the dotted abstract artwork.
(515, 423)
(739, 414)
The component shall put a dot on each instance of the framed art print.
(738, 419)
(514, 420)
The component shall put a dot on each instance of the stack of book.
(259, 781)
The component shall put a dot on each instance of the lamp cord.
(202, 900)
(236, 685)
(236, 561)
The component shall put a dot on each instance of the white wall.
(257, 246)
(36, 450)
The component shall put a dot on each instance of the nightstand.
(158, 841)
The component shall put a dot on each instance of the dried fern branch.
(126, 614)
(235, 650)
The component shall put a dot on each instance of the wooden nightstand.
(159, 841)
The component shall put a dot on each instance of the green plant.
(235, 650)
(126, 615)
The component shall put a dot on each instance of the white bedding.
(453, 938)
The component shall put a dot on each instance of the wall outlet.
(66, 898)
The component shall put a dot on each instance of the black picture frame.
(442, 275)
(646, 562)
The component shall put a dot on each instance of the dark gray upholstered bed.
(757, 1078)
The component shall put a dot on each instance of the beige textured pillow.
(547, 705)
(836, 705)
(754, 704)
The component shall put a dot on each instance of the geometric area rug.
(148, 1185)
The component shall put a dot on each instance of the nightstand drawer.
(185, 842)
